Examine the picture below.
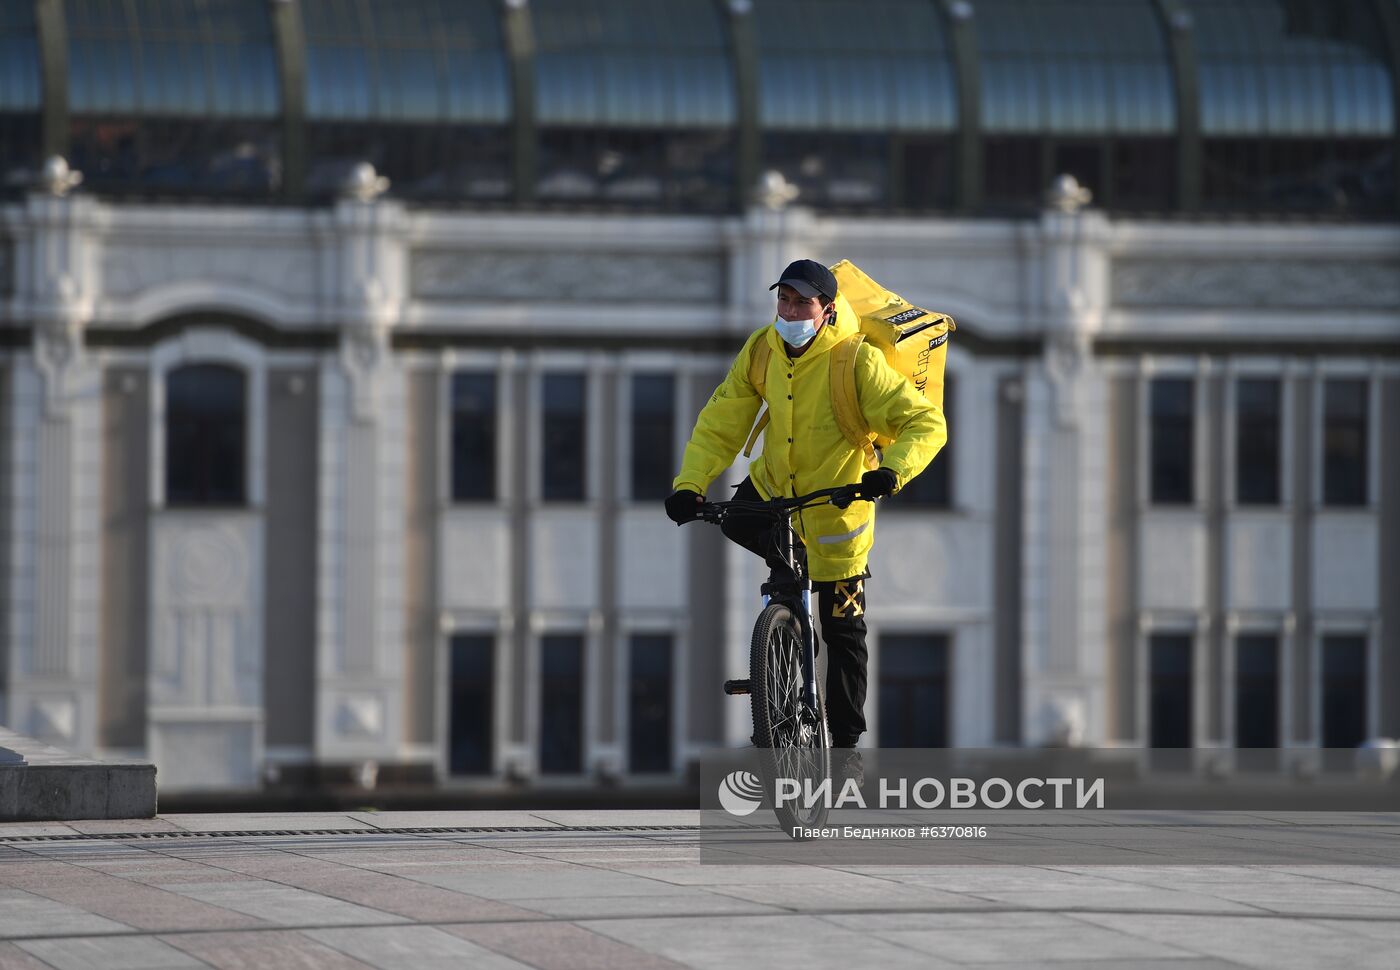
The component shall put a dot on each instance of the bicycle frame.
(782, 509)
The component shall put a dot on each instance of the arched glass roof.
(409, 60)
(213, 58)
(672, 103)
(20, 89)
(882, 65)
(1074, 67)
(1274, 67)
(632, 63)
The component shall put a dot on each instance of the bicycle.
(787, 697)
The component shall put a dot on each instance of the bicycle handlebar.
(841, 496)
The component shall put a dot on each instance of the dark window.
(20, 92)
(1343, 690)
(472, 704)
(933, 487)
(205, 421)
(635, 104)
(561, 704)
(913, 690)
(1257, 431)
(1256, 691)
(473, 437)
(649, 703)
(653, 435)
(418, 88)
(565, 456)
(1344, 436)
(875, 131)
(1170, 691)
(174, 98)
(1172, 435)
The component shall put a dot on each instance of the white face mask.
(796, 333)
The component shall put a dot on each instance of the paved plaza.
(557, 890)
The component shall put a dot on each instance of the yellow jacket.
(803, 449)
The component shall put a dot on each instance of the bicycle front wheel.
(793, 737)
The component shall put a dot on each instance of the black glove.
(878, 483)
(681, 506)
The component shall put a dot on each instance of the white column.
(360, 648)
(771, 234)
(54, 466)
(1065, 519)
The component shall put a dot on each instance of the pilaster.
(1066, 521)
(55, 415)
(361, 629)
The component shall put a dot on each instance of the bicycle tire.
(792, 742)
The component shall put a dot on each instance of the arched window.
(205, 435)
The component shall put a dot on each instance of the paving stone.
(419, 947)
(1267, 943)
(283, 905)
(363, 897)
(376, 890)
(401, 820)
(259, 822)
(801, 941)
(1011, 941)
(510, 884)
(13, 958)
(560, 946)
(132, 904)
(25, 914)
(264, 950)
(697, 904)
(111, 953)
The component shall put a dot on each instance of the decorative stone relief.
(58, 354)
(1060, 722)
(617, 277)
(53, 719)
(207, 647)
(129, 269)
(1068, 361)
(360, 717)
(364, 356)
(1295, 283)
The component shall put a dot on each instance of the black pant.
(841, 609)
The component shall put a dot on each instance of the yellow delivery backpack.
(913, 340)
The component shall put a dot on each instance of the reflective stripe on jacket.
(803, 449)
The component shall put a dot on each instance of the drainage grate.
(274, 833)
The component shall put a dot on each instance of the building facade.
(300, 468)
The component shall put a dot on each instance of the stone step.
(40, 783)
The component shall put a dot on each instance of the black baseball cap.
(808, 277)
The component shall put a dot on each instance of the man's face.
(794, 306)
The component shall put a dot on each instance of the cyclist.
(804, 450)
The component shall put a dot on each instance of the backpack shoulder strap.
(759, 357)
(844, 403)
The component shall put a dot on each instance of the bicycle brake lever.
(845, 496)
